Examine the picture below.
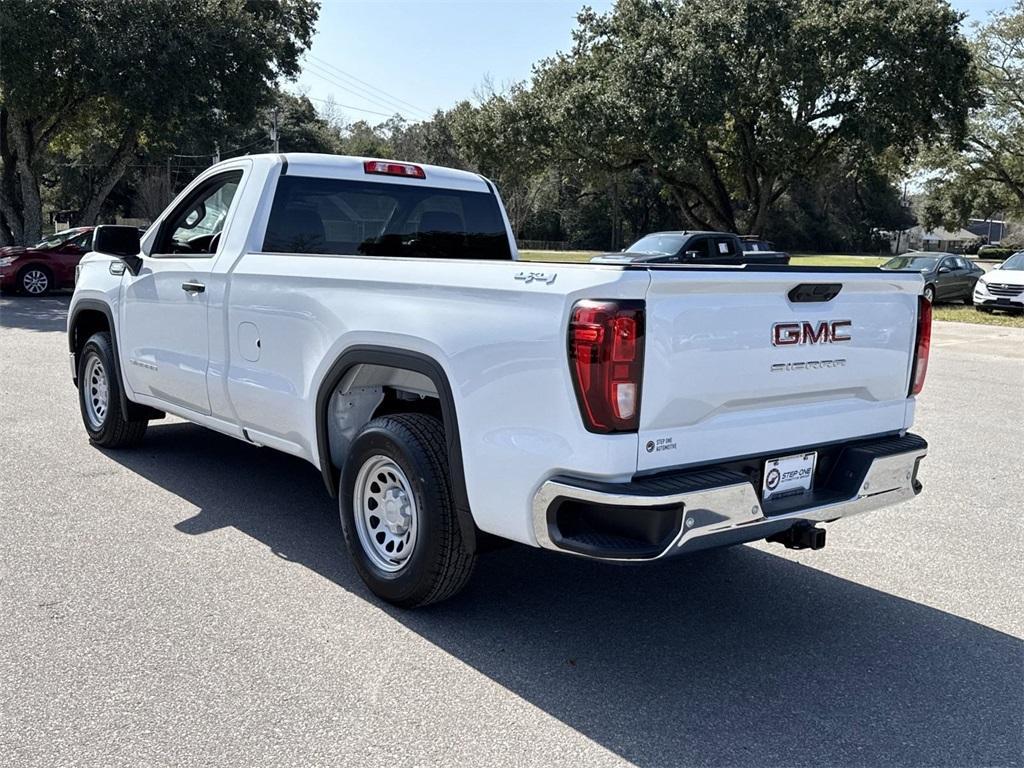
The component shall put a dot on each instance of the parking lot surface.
(188, 603)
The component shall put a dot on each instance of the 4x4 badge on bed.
(539, 277)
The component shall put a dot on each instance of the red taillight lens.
(606, 357)
(923, 346)
(385, 168)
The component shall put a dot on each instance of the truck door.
(164, 333)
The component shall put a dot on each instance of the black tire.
(35, 280)
(969, 299)
(440, 564)
(108, 428)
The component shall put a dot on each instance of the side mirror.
(121, 242)
(944, 270)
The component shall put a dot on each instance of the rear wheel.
(35, 281)
(99, 397)
(398, 513)
(929, 293)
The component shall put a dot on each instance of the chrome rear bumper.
(717, 507)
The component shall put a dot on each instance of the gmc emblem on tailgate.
(805, 332)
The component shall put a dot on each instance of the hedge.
(995, 252)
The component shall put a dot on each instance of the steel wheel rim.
(97, 392)
(386, 517)
(929, 294)
(35, 281)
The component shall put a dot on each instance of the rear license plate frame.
(786, 476)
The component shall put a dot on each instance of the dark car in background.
(49, 264)
(692, 248)
(947, 277)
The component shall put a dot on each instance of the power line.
(348, 106)
(327, 77)
(374, 88)
(363, 93)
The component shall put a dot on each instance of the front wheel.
(929, 293)
(398, 512)
(99, 396)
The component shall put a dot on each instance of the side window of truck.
(697, 248)
(194, 227)
(364, 218)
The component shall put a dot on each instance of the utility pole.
(273, 132)
(170, 188)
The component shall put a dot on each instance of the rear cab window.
(725, 246)
(365, 218)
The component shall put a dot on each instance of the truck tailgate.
(736, 367)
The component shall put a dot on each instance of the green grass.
(958, 313)
(826, 260)
(830, 260)
(558, 255)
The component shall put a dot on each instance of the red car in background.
(49, 264)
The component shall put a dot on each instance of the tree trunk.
(31, 200)
(31, 204)
(689, 216)
(110, 176)
(762, 206)
(6, 238)
(10, 221)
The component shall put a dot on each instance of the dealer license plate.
(788, 475)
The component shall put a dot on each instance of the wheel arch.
(401, 360)
(90, 316)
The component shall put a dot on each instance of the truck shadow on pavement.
(48, 314)
(735, 657)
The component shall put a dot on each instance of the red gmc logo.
(790, 334)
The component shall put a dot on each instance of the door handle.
(193, 287)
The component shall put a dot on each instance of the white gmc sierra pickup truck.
(371, 317)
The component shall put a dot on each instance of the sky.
(377, 58)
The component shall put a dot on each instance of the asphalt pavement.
(188, 603)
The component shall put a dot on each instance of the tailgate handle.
(808, 292)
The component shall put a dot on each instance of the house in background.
(920, 239)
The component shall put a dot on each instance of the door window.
(194, 227)
(698, 245)
(82, 242)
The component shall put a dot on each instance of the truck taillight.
(606, 357)
(923, 345)
(387, 168)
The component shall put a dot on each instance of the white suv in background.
(1003, 287)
